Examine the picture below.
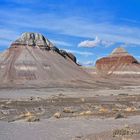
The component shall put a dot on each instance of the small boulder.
(32, 119)
(68, 110)
(57, 115)
(119, 116)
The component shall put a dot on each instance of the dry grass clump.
(130, 109)
(116, 109)
(86, 113)
(103, 110)
(29, 117)
(126, 131)
(27, 114)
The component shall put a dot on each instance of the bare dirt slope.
(31, 60)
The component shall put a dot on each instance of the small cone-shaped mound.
(119, 63)
(34, 60)
(119, 52)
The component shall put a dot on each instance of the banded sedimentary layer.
(34, 60)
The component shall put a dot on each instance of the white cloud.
(94, 43)
(87, 63)
(106, 43)
(74, 26)
(90, 43)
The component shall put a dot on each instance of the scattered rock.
(61, 95)
(8, 102)
(5, 112)
(77, 138)
(83, 99)
(32, 98)
(119, 116)
(2, 106)
(68, 110)
(57, 115)
(32, 119)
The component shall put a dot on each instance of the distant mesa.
(33, 60)
(118, 63)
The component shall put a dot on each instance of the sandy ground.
(69, 114)
(12, 93)
(62, 129)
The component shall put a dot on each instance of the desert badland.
(46, 95)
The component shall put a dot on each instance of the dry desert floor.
(70, 114)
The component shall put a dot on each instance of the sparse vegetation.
(126, 131)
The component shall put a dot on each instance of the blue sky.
(88, 28)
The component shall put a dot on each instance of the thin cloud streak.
(60, 43)
(84, 53)
(73, 26)
(87, 63)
